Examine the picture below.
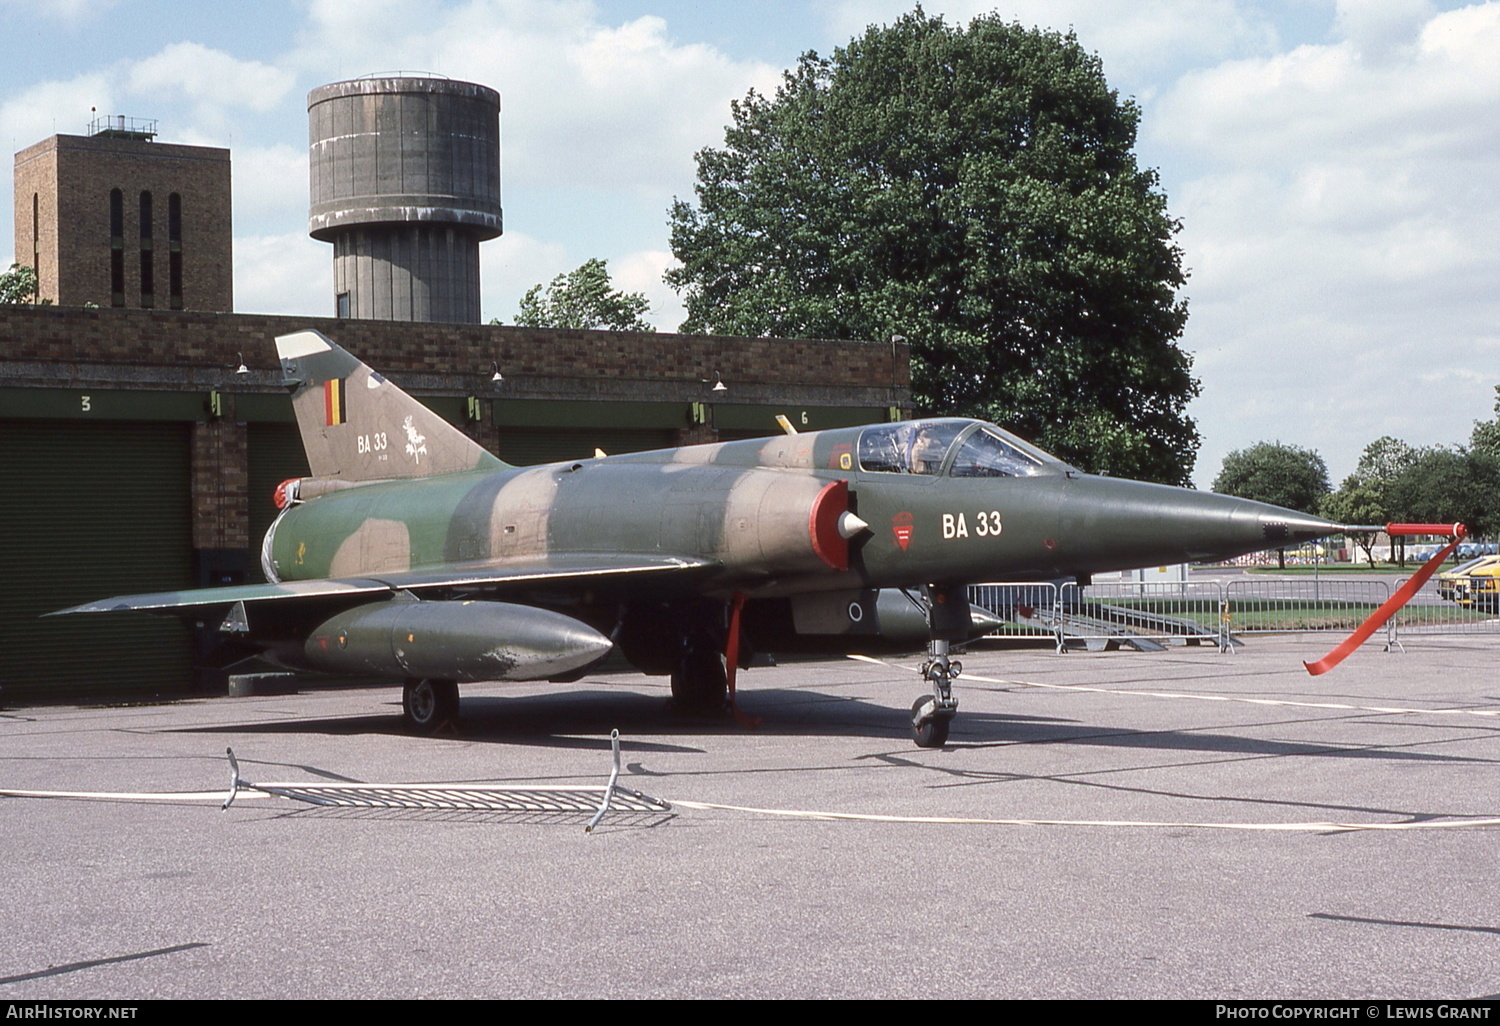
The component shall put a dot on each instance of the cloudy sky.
(1335, 163)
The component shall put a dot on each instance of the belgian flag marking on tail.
(333, 402)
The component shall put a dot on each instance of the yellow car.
(1475, 583)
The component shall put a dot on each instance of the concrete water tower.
(406, 185)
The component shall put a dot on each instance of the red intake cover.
(281, 496)
(828, 545)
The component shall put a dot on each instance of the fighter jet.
(413, 554)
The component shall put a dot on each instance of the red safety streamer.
(1402, 596)
(732, 660)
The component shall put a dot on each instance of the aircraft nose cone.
(1122, 524)
(1225, 526)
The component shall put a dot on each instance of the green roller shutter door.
(90, 510)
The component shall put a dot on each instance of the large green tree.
(1283, 475)
(584, 299)
(975, 190)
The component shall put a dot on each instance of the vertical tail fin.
(357, 426)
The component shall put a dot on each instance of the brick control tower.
(405, 182)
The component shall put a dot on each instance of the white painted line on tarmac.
(1310, 827)
(1339, 706)
(134, 796)
(254, 791)
(1319, 827)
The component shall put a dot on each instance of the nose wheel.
(948, 620)
(931, 714)
(928, 729)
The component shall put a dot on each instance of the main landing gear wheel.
(426, 705)
(928, 729)
(699, 684)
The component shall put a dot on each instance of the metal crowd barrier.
(1156, 614)
(1432, 612)
(1146, 616)
(1267, 605)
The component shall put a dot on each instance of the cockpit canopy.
(966, 448)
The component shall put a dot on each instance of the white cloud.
(642, 272)
(283, 274)
(43, 110)
(209, 82)
(514, 263)
(69, 12)
(1341, 231)
(214, 82)
(267, 182)
(1381, 28)
(270, 185)
(1330, 99)
(50, 108)
(1464, 42)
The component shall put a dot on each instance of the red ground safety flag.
(1402, 597)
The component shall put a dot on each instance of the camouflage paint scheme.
(650, 549)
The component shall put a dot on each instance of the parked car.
(1475, 583)
(1465, 551)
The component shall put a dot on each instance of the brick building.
(115, 219)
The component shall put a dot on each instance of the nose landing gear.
(931, 714)
(948, 620)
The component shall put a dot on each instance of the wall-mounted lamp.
(241, 369)
(495, 374)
